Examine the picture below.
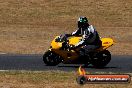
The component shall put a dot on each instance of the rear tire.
(101, 59)
(51, 59)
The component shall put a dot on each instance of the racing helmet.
(82, 21)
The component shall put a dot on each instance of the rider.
(90, 40)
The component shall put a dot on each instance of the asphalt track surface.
(34, 62)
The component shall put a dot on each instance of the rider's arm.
(87, 36)
(82, 42)
(73, 33)
(79, 44)
(77, 32)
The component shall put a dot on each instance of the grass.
(27, 40)
(42, 12)
(47, 79)
(28, 26)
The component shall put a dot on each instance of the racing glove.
(71, 47)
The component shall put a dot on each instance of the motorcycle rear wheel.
(51, 59)
(101, 59)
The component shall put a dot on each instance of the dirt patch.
(36, 40)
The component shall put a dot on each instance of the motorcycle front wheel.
(51, 59)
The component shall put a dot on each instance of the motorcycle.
(59, 52)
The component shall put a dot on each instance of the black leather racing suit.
(90, 41)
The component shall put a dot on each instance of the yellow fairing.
(56, 45)
(106, 42)
(72, 55)
(74, 40)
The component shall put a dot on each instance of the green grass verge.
(49, 79)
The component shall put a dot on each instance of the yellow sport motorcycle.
(59, 52)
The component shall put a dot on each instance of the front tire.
(51, 59)
(101, 59)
